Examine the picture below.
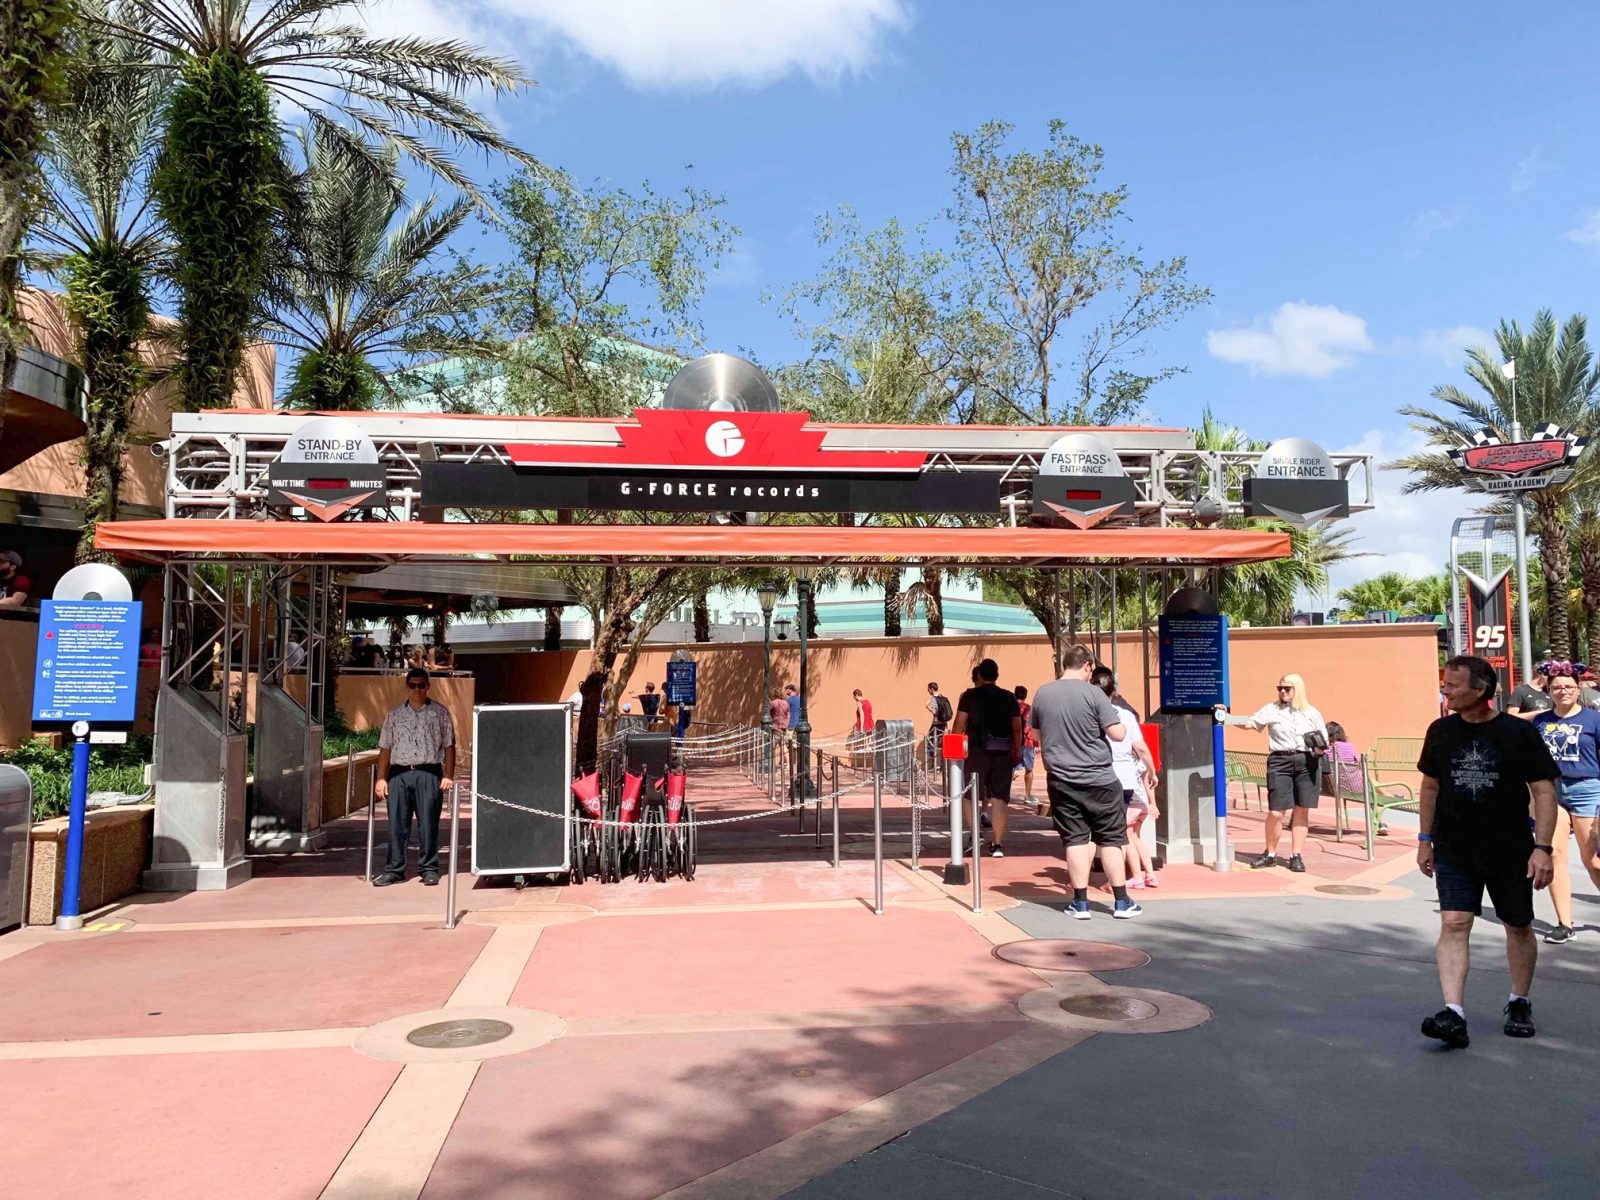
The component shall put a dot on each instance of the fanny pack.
(994, 745)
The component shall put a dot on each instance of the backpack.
(942, 712)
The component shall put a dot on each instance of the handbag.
(1316, 742)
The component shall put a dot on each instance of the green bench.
(1247, 767)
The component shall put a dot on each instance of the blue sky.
(1365, 186)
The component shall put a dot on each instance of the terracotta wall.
(366, 699)
(1375, 679)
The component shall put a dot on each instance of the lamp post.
(802, 729)
(768, 595)
(1520, 508)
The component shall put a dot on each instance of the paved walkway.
(760, 1030)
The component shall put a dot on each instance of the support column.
(291, 696)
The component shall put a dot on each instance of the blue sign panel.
(1194, 662)
(87, 664)
(681, 683)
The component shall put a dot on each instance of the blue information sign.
(1194, 662)
(87, 664)
(681, 683)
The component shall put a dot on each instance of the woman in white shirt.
(1293, 765)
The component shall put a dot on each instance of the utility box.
(16, 820)
(893, 745)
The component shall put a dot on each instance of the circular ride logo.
(724, 439)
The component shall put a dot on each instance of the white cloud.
(1528, 171)
(1402, 533)
(1587, 231)
(1450, 345)
(1430, 222)
(706, 43)
(1310, 340)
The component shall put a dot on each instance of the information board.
(86, 667)
(521, 753)
(1194, 662)
(681, 683)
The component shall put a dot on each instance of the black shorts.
(1291, 783)
(1088, 813)
(994, 768)
(1462, 880)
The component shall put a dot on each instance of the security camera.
(1208, 510)
(160, 449)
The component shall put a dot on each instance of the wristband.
(1546, 849)
(1425, 838)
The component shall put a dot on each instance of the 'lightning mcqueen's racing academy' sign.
(685, 460)
(1490, 465)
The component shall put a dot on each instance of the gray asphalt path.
(1311, 1080)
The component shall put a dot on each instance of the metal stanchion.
(955, 871)
(836, 812)
(1219, 768)
(450, 884)
(349, 779)
(877, 842)
(372, 821)
(977, 851)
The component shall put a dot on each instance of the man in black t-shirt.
(1531, 696)
(1479, 768)
(992, 720)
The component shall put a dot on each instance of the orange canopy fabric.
(363, 541)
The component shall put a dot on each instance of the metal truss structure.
(217, 461)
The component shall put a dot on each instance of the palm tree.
(357, 286)
(103, 241)
(1392, 591)
(1557, 382)
(1586, 544)
(222, 181)
(33, 57)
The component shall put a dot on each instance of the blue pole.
(70, 918)
(1219, 766)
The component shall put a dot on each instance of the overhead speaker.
(721, 383)
(93, 581)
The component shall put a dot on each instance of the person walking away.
(1296, 740)
(1136, 772)
(1077, 724)
(1571, 733)
(989, 716)
(649, 704)
(942, 713)
(1030, 742)
(1479, 768)
(1532, 695)
(416, 767)
(791, 694)
(778, 710)
(863, 713)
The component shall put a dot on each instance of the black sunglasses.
(416, 687)
(1286, 687)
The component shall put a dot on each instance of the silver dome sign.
(1296, 481)
(1081, 483)
(328, 467)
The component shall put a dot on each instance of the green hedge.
(118, 768)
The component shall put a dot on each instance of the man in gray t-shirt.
(1074, 719)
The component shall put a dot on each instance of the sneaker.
(1151, 881)
(1560, 934)
(1262, 861)
(1297, 864)
(1079, 910)
(387, 878)
(996, 850)
(1134, 884)
(1519, 1019)
(1126, 910)
(1448, 1027)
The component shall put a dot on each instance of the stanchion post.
(877, 841)
(836, 813)
(976, 784)
(1219, 767)
(349, 779)
(954, 749)
(450, 884)
(372, 823)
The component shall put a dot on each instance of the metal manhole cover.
(1068, 954)
(1346, 889)
(454, 1035)
(1102, 1007)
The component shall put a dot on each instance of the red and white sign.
(1515, 458)
(679, 439)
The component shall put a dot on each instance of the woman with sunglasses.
(1296, 740)
(1572, 733)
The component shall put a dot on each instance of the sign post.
(681, 687)
(1194, 679)
(86, 671)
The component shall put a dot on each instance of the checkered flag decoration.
(1546, 432)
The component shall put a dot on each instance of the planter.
(116, 850)
(333, 785)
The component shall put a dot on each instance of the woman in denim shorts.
(1572, 733)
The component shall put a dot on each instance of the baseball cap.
(12, 557)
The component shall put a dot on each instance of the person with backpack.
(1030, 743)
(942, 712)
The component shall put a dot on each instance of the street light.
(768, 595)
(802, 729)
(783, 624)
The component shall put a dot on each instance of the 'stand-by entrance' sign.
(328, 467)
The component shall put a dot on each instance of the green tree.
(1391, 591)
(222, 182)
(1041, 240)
(34, 38)
(101, 239)
(1557, 381)
(358, 289)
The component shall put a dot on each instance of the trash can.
(16, 819)
(893, 744)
